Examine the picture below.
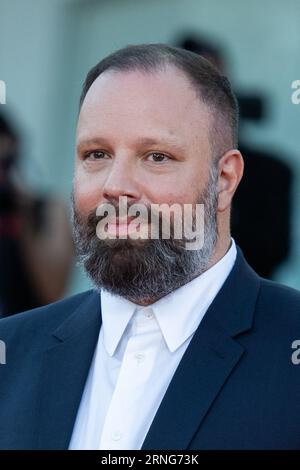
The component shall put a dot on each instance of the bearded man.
(173, 348)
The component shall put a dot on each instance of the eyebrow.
(142, 141)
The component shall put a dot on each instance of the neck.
(221, 249)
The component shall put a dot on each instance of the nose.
(121, 181)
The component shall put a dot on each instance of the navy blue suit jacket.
(236, 386)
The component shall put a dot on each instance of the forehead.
(132, 103)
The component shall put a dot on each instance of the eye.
(95, 155)
(157, 157)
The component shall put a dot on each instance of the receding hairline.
(212, 88)
(161, 68)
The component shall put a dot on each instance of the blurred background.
(46, 49)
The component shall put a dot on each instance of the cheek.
(177, 192)
(182, 188)
(87, 194)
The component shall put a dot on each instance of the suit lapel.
(207, 363)
(65, 367)
(196, 383)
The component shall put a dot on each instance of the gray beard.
(143, 271)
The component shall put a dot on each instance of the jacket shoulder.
(280, 305)
(42, 319)
(279, 293)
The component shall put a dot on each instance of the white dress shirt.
(138, 351)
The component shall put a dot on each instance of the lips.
(123, 226)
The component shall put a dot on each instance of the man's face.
(146, 137)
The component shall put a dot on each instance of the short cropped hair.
(213, 88)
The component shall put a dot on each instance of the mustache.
(183, 222)
(92, 219)
(116, 206)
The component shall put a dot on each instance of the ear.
(231, 168)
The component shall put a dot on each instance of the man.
(175, 348)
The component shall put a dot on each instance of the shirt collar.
(178, 313)
(116, 314)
